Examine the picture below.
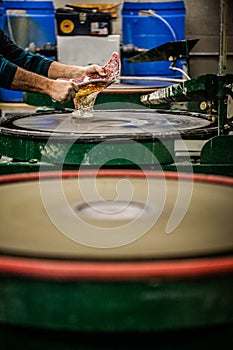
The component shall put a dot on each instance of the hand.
(94, 68)
(63, 90)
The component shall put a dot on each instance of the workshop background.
(149, 263)
(202, 21)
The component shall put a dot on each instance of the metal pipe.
(181, 71)
(222, 106)
(172, 80)
(197, 54)
(223, 37)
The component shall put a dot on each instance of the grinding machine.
(183, 123)
(58, 284)
(140, 252)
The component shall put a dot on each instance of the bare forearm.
(31, 82)
(60, 70)
(61, 91)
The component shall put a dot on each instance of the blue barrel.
(147, 25)
(26, 22)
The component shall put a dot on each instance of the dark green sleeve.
(12, 56)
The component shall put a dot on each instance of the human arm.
(60, 70)
(42, 65)
(59, 90)
(21, 70)
(14, 56)
(17, 78)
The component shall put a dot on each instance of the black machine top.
(139, 124)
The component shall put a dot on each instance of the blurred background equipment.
(75, 20)
(147, 25)
(84, 34)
